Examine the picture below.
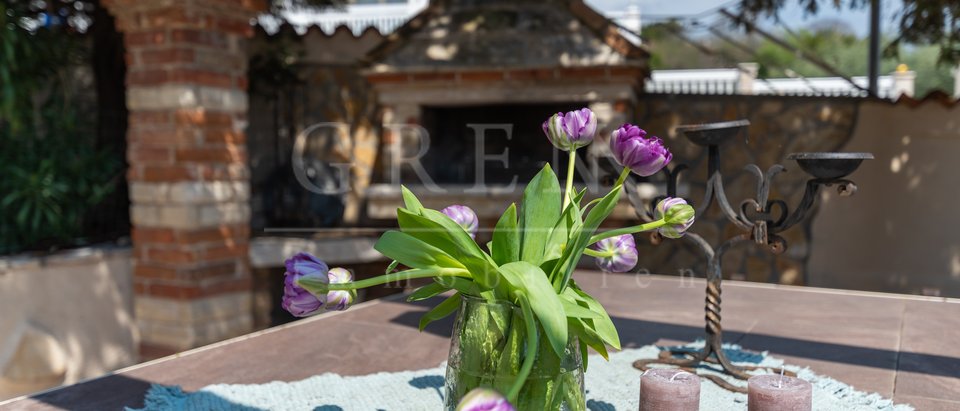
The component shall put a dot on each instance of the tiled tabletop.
(903, 347)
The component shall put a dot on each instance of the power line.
(817, 61)
(691, 16)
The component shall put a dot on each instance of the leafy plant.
(52, 171)
(528, 264)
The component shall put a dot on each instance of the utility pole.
(874, 63)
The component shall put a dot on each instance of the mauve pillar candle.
(771, 392)
(664, 389)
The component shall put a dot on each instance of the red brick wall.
(188, 175)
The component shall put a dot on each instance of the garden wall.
(66, 317)
(899, 233)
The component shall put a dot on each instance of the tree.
(929, 22)
(829, 39)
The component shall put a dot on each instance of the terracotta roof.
(935, 96)
(501, 33)
(287, 29)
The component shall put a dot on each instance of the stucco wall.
(65, 318)
(901, 231)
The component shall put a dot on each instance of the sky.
(792, 15)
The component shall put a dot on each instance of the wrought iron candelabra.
(760, 219)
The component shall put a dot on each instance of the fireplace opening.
(452, 154)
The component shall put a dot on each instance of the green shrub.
(52, 172)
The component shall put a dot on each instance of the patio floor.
(903, 347)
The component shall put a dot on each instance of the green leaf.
(506, 238)
(571, 255)
(530, 280)
(573, 310)
(604, 325)
(463, 285)
(578, 198)
(588, 336)
(427, 291)
(539, 213)
(440, 231)
(412, 252)
(410, 201)
(584, 355)
(445, 308)
(509, 362)
(568, 225)
(393, 266)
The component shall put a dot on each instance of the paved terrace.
(900, 346)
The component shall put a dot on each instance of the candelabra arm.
(715, 191)
(672, 177)
(700, 242)
(800, 212)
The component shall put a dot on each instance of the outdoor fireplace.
(512, 63)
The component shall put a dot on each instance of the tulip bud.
(678, 215)
(643, 156)
(339, 300)
(296, 299)
(484, 399)
(464, 216)
(624, 249)
(572, 130)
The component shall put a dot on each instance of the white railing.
(701, 81)
(743, 80)
(358, 17)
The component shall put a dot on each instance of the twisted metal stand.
(759, 218)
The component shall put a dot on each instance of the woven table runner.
(610, 386)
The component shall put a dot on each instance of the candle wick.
(780, 383)
(677, 374)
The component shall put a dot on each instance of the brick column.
(189, 179)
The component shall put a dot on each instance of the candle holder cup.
(829, 166)
(759, 219)
(713, 134)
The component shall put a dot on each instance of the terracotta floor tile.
(929, 364)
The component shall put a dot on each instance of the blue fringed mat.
(611, 386)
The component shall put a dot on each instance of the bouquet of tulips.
(529, 263)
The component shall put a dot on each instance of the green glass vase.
(488, 347)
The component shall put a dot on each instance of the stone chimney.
(631, 18)
(903, 82)
(748, 73)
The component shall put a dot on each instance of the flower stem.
(623, 177)
(599, 254)
(592, 202)
(531, 350)
(571, 164)
(316, 286)
(628, 230)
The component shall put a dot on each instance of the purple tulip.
(305, 264)
(678, 214)
(624, 249)
(643, 156)
(464, 216)
(484, 399)
(572, 130)
(339, 300)
(296, 299)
